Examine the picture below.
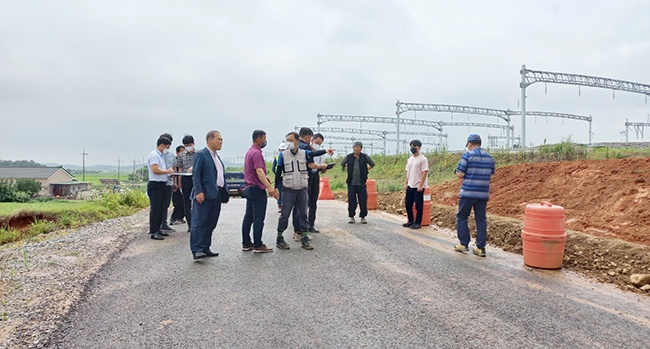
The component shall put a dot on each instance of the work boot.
(305, 243)
(281, 244)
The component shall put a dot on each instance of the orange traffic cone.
(371, 186)
(325, 190)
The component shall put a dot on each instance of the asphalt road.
(363, 286)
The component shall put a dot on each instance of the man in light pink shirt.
(417, 169)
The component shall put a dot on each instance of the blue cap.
(473, 137)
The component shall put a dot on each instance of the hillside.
(601, 197)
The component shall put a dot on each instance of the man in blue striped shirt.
(475, 168)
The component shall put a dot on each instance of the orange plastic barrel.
(371, 186)
(426, 208)
(543, 236)
(325, 189)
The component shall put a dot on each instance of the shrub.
(6, 192)
(29, 186)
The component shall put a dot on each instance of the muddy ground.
(607, 211)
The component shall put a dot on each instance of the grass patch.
(66, 214)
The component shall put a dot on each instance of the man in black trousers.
(157, 186)
(178, 214)
(208, 175)
(184, 165)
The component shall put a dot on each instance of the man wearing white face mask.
(314, 182)
(184, 164)
(170, 160)
(293, 169)
(158, 175)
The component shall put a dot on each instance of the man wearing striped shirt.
(475, 168)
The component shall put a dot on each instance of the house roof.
(30, 172)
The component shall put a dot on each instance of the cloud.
(112, 76)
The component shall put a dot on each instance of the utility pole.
(83, 164)
(133, 170)
(118, 168)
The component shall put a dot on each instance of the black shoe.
(163, 233)
(172, 221)
(210, 253)
(157, 236)
(416, 226)
(314, 230)
(166, 227)
(407, 224)
(199, 255)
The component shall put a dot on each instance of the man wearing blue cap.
(475, 168)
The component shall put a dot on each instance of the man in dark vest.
(358, 164)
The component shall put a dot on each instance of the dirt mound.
(608, 198)
(23, 220)
(607, 209)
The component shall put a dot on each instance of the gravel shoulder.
(44, 277)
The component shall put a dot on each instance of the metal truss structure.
(589, 119)
(494, 140)
(529, 77)
(638, 127)
(351, 134)
(322, 118)
(348, 146)
(376, 120)
(403, 107)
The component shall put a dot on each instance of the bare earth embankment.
(607, 210)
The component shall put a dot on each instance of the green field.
(60, 214)
(11, 208)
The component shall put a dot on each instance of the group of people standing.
(199, 177)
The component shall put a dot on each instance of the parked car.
(235, 183)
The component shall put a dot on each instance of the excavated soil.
(23, 220)
(607, 212)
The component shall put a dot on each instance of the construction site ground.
(607, 212)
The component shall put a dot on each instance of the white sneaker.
(351, 221)
(363, 220)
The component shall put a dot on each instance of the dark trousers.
(167, 199)
(179, 209)
(156, 193)
(357, 193)
(188, 185)
(294, 198)
(204, 219)
(465, 205)
(255, 213)
(312, 197)
(417, 197)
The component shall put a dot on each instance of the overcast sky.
(110, 76)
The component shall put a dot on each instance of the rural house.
(55, 181)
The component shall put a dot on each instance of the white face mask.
(189, 149)
(317, 146)
(165, 151)
(290, 145)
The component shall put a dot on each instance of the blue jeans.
(465, 205)
(255, 213)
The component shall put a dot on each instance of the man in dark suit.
(208, 177)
